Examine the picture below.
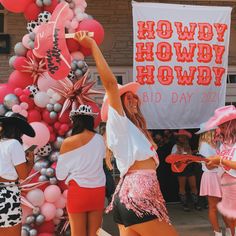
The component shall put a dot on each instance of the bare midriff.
(142, 165)
(6, 180)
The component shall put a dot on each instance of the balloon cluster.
(32, 92)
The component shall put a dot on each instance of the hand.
(30, 156)
(212, 162)
(84, 40)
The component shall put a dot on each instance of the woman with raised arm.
(14, 165)
(138, 206)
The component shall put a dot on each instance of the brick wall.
(116, 18)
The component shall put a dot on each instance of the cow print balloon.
(44, 17)
(33, 90)
(31, 26)
(45, 150)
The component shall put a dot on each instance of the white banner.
(181, 60)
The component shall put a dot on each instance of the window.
(119, 79)
(2, 19)
(231, 78)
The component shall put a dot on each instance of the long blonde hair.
(229, 136)
(137, 118)
(208, 137)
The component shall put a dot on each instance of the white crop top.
(127, 142)
(11, 155)
(84, 164)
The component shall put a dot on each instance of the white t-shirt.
(11, 155)
(127, 142)
(207, 150)
(84, 164)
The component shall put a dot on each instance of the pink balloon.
(65, 193)
(19, 63)
(45, 82)
(36, 197)
(16, 108)
(52, 193)
(77, 55)
(25, 41)
(4, 90)
(42, 135)
(61, 202)
(16, 6)
(20, 79)
(48, 210)
(26, 212)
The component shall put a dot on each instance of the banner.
(181, 60)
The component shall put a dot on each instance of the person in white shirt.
(81, 165)
(138, 205)
(14, 165)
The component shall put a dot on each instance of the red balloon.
(32, 11)
(72, 45)
(31, 104)
(52, 137)
(19, 63)
(34, 115)
(65, 117)
(51, 7)
(62, 185)
(4, 90)
(47, 118)
(16, 6)
(94, 26)
(18, 91)
(29, 53)
(65, 127)
(46, 227)
(20, 79)
(86, 51)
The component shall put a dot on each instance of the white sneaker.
(218, 233)
(228, 232)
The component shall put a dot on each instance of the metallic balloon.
(84, 69)
(53, 115)
(24, 232)
(78, 72)
(49, 107)
(36, 212)
(26, 227)
(68, 134)
(53, 180)
(53, 157)
(30, 219)
(43, 178)
(33, 232)
(81, 64)
(20, 50)
(50, 172)
(39, 219)
(57, 144)
(47, 2)
(41, 164)
(10, 100)
(57, 107)
(43, 171)
(3, 110)
(73, 65)
(11, 61)
(39, 3)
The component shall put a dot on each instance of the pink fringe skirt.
(210, 185)
(227, 206)
(139, 191)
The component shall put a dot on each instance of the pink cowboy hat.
(183, 132)
(222, 115)
(203, 128)
(130, 87)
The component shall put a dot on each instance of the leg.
(78, 224)
(154, 227)
(212, 213)
(182, 184)
(126, 231)
(94, 222)
(194, 193)
(11, 231)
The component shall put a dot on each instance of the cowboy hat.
(183, 132)
(222, 115)
(203, 128)
(20, 121)
(130, 87)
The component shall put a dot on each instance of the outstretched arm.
(107, 77)
(217, 160)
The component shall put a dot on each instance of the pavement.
(193, 223)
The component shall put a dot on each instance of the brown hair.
(229, 136)
(137, 119)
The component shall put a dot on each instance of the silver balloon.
(36, 212)
(73, 65)
(24, 232)
(49, 107)
(53, 180)
(53, 157)
(53, 115)
(80, 64)
(32, 36)
(57, 107)
(47, 2)
(33, 232)
(43, 178)
(11, 61)
(78, 72)
(26, 227)
(39, 219)
(43, 171)
(68, 134)
(3, 110)
(31, 44)
(10, 100)
(50, 172)
(30, 219)
(20, 50)
(57, 144)
(84, 69)
(41, 164)
(39, 3)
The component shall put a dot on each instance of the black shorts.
(123, 216)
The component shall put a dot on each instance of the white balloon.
(41, 99)
(56, 97)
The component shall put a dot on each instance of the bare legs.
(213, 213)
(85, 224)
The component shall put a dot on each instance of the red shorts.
(80, 199)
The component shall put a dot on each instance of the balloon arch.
(33, 91)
